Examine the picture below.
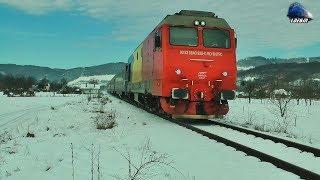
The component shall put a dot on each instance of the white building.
(101, 79)
(90, 88)
(91, 84)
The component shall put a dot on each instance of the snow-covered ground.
(302, 122)
(56, 122)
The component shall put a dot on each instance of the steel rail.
(302, 147)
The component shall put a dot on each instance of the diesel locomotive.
(186, 67)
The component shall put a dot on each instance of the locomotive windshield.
(183, 36)
(216, 38)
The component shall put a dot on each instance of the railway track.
(282, 164)
(299, 171)
(302, 147)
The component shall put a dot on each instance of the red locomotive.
(186, 67)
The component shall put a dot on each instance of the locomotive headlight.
(196, 23)
(178, 71)
(203, 23)
(225, 73)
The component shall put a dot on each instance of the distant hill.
(288, 71)
(257, 66)
(260, 61)
(52, 74)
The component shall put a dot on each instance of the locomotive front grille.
(178, 93)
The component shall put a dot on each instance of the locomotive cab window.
(216, 38)
(183, 36)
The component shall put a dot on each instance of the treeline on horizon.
(262, 88)
(10, 82)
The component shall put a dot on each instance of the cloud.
(259, 25)
(38, 7)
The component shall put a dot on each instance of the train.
(185, 68)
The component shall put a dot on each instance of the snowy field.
(302, 121)
(167, 150)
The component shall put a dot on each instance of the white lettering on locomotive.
(200, 53)
(202, 75)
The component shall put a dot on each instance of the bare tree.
(297, 93)
(281, 99)
(43, 83)
(72, 160)
(148, 162)
(249, 87)
(92, 160)
(317, 91)
(98, 164)
(261, 93)
(307, 90)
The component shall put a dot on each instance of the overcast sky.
(71, 33)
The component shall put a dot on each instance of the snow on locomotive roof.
(187, 18)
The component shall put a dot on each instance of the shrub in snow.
(12, 149)
(59, 135)
(99, 95)
(101, 109)
(48, 168)
(30, 135)
(145, 163)
(282, 125)
(249, 121)
(106, 120)
(17, 170)
(89, 98)
(8, 174)
(262, 127)
(104, 100)
(2, 161)
(5, 137)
